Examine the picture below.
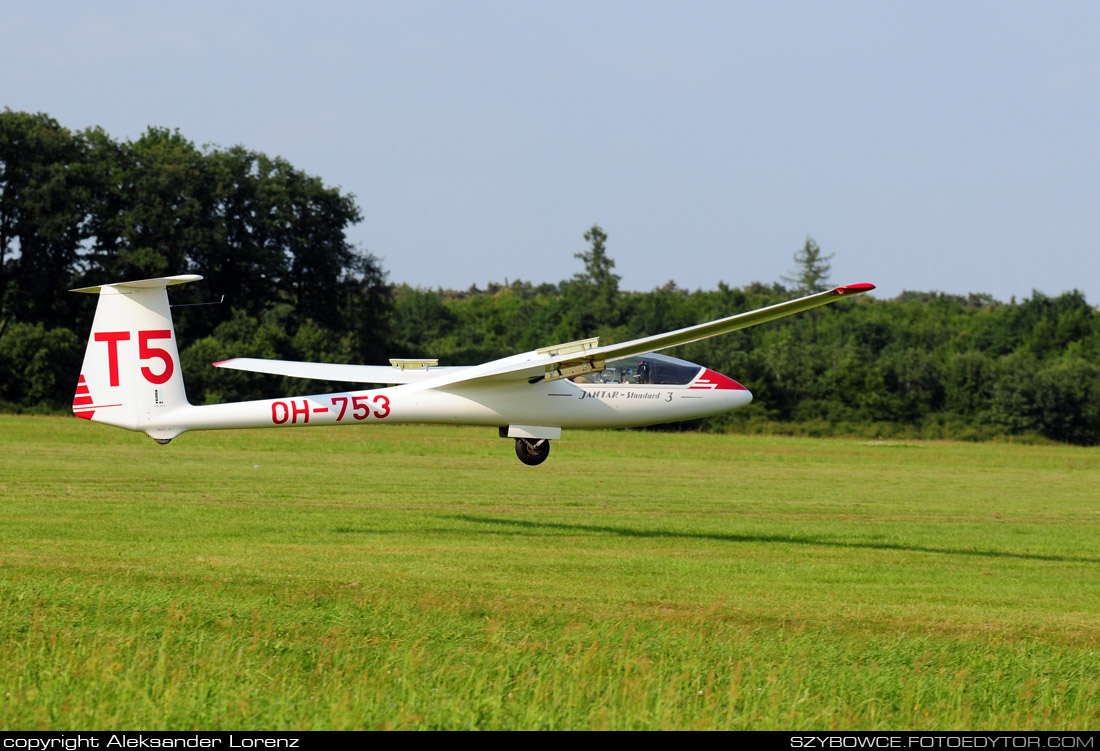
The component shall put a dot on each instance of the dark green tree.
(597, 263)
(78, 209)
(812, 272)
(43, 195)
(593, 294)
(147, 216)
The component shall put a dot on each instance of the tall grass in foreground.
(420, 577)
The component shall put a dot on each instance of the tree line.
(78, 208)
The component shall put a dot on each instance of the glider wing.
(575, 358)
(325, 371)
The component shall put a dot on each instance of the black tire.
(531, 451)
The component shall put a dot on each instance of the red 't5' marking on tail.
(145, 352)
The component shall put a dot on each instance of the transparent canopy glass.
(649, 369)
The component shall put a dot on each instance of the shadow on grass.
(787, 539)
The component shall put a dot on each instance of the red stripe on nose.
(720, 381)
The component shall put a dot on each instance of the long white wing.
(325, 371)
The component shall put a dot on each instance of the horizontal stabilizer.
(161, 281)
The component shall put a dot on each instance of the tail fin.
(131, 377)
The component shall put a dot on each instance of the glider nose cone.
(737, 394)
(714, 380)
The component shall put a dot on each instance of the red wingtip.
(854, 289)
(220, 363)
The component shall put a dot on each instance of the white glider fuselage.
(561, 404)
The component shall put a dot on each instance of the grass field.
(421, 577)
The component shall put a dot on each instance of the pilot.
(643, 372)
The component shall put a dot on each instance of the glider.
(131, 378)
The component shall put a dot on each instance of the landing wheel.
(532, 451)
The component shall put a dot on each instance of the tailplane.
(131, 377)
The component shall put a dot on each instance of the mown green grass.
(421, 577)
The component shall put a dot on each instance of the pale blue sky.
(935, 146)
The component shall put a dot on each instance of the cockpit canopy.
(649, 368)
